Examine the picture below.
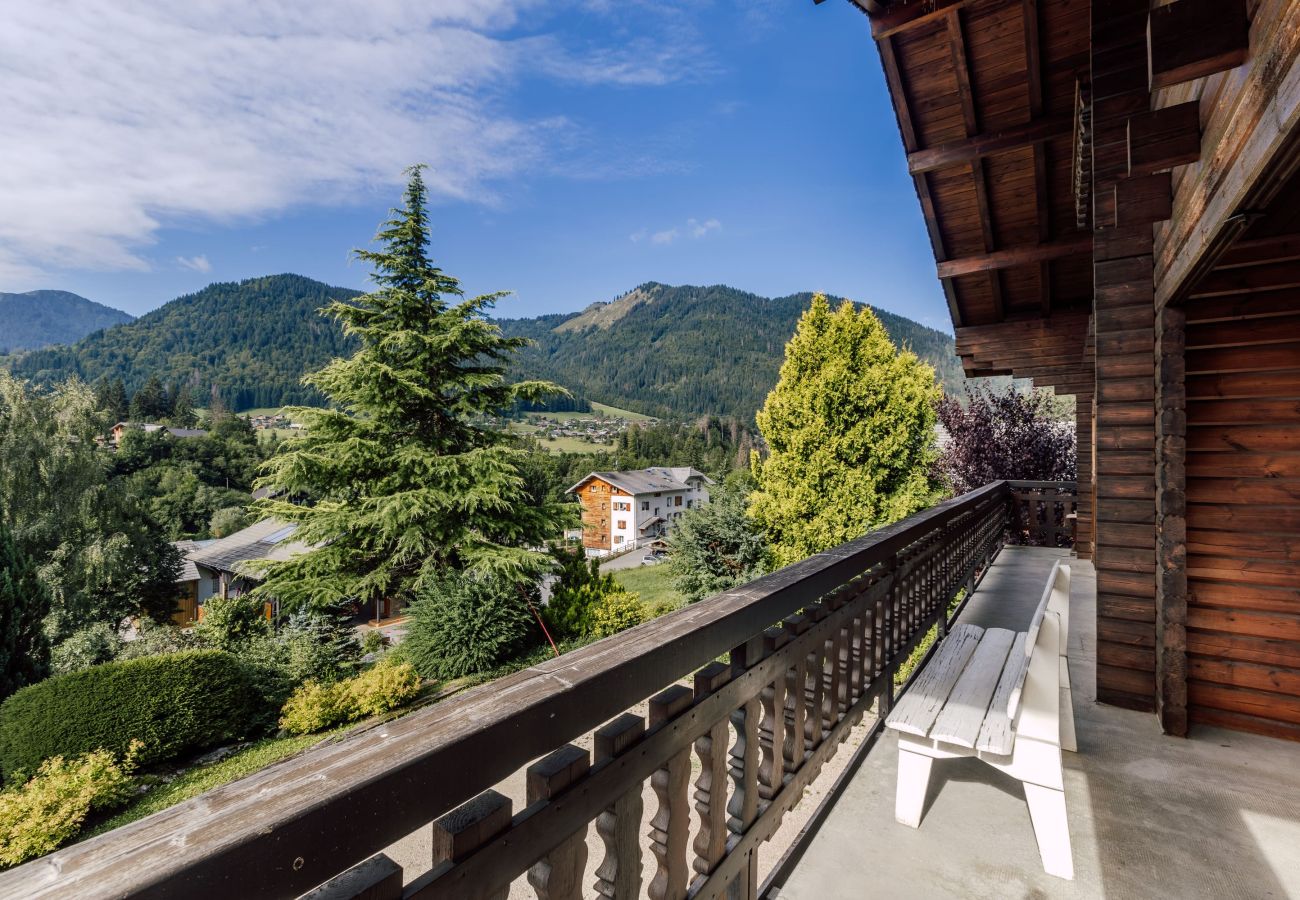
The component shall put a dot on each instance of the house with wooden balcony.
(1113, 202)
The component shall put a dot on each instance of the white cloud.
(694, 229)
(125, 116)
(197, 263)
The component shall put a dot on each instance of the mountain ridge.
(41, 318)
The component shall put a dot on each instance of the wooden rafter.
(955, 153)
(1034, 78)
(900, 18)
(1075, 245)
(966, 94)
(898, 93)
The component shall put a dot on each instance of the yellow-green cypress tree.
(850, 433)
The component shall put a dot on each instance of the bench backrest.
(1055, 599)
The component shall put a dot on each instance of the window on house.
(645, 506)
(216, 584)
(618, 538)
(677, 501)
(688, 503)
(622, 523)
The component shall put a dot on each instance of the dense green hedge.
(172, 702)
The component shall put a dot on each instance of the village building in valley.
(623, 510)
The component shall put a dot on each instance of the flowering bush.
(41, 814)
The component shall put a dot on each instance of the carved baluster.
(558, 874)
(772, 731)
(841, 651)
(618, 876)
(816, 612)
(670, 827)
(461, 832)
(746, 752)
(796, 699)
(711, 786)
(378, 878)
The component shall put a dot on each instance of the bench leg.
(913, 780)
(1047, 810)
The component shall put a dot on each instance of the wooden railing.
(809, 650)
(1041, 513)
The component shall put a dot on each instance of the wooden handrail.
(294, 825)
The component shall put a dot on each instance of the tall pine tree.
(850, 430)
(24, 652)
(403, 485)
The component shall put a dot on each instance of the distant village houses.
(625, 510)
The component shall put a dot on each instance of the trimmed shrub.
(463, 625)
(616, 611)
(172, 703)
(315, 706)
(48, 810)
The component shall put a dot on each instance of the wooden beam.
(1075, 245)
(1042, 199)
(1144, 200)
(956, 153)
(1163, 138)
(901, 18)
(1190, 39)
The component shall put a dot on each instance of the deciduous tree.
(850, 432)
(1012, 433)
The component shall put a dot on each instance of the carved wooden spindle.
(618, 876)
(772, 730)
(670, 827)
(796, 700)
(558, 874)
(837, 694)
(378, 878)
(746, 753)
(468, 827)
(816, 681)
(711, 785)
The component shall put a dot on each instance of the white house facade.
(623, 510)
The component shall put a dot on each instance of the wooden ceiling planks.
(988, 86)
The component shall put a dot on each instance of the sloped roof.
(189, 571)
(270, 539)
(647, 481)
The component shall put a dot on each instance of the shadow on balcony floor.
(1217, 815)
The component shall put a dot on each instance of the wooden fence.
(761, 724)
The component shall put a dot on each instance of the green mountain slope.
(250, 341)
(687, 350)
(40, 318)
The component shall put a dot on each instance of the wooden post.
(671, 824)
(461, 832)
(711, 785)
(1171, 522)
(558, 874)
(378, 878)
(618, 877)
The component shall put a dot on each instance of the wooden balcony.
(683, 804)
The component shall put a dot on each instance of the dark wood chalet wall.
(1243, 488)
(1124, 323)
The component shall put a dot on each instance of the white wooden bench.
(1003, 697)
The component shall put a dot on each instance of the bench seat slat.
(916, 711)
(996, 734)
(968, 704)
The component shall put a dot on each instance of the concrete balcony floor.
(1216, 815)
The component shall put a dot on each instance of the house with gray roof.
(625, 510)
(225, 567)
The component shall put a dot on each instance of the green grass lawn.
(654, 584)
(195, 781)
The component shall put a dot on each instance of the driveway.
(627, 561)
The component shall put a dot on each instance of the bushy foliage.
(462, 624)
(39, 815)
(407, 481)
(850, 431)
(171, 703)
(718, 546)
(1013, 434)
(230, 622)
(227, 520)
(98, 553)
(24, 651)
(380, 689)
(617, 610)
(576, 592)
(85, 647)
(154, 639)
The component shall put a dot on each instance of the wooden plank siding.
(1124, 323)
(1243, 495)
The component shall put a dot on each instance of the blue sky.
(577, 147)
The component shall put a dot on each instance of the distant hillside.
(659, 350)
(41, 318)
(665, 350)
(251, 341)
